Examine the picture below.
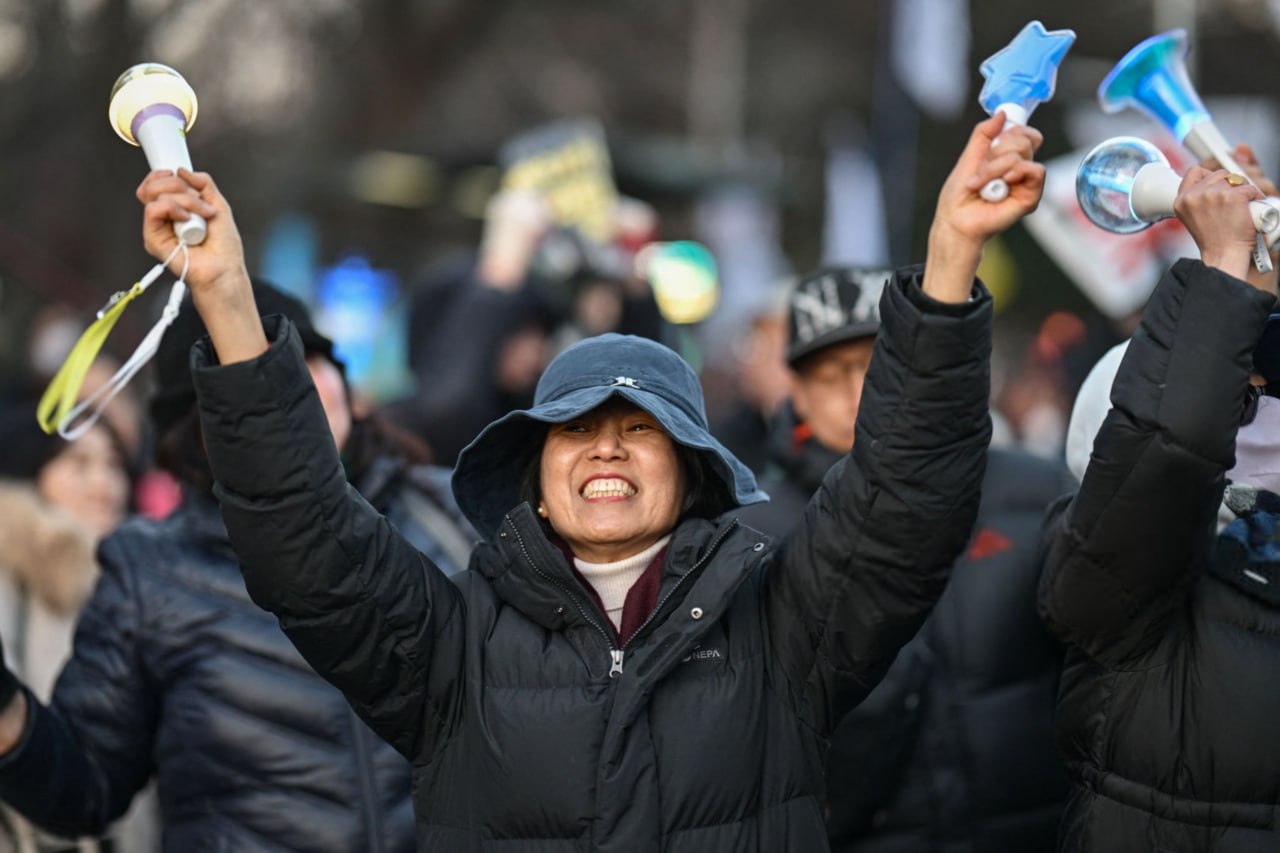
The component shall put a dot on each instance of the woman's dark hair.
(376, 437)
(705, 496)
(25, 448)
(180, 451)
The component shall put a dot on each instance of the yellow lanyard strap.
(58, 409)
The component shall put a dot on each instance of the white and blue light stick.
(1019, 77)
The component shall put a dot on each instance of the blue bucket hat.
(487, 480)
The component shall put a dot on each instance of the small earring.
(542, 510)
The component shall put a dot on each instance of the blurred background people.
(832, 320)
(760, 382)
(177, 674)
(57, 500)
(481, 337)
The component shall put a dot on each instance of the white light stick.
(153, 107)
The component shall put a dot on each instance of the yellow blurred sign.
(567, 162)
(999, 272)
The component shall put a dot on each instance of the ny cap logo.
(822, 305)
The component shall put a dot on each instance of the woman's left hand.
(964, 220)
(1248, 161)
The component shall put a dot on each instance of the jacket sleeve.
(1120, 553)
(82, 759)
(874, 548)
(369, 612)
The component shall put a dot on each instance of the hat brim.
(487, 479)
(852, 332)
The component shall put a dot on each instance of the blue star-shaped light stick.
(1019, 77)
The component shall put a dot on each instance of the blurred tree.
(294, 92)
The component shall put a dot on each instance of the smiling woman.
(625, 666)
(611, 482)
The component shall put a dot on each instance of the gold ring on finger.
(1236, 180)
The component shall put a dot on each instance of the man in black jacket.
(832, 318)
(1168, 709)
(954, 749)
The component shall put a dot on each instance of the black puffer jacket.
(1169, 705)
(498, 686)
(954, 751)
(176, 673)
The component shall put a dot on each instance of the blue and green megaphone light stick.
(1152, 78)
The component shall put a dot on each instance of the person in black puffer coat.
(954, 750)
(177, 675)
(617, 671)
(1168, 707)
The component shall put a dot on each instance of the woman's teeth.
(608, 487)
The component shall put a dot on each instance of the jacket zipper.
(614, 654)
(618, 655)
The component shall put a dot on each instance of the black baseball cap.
(831, 306)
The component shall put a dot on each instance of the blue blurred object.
(354, 301)
(1025, 71)
(1104, 182)
(289, 255)
(1153, 78)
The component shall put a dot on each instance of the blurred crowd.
(179, 686)
(783, 385)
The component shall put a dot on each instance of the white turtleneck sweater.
(612, 581)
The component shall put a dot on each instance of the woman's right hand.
(170, 198)
(1216, 213)
(216, 274)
